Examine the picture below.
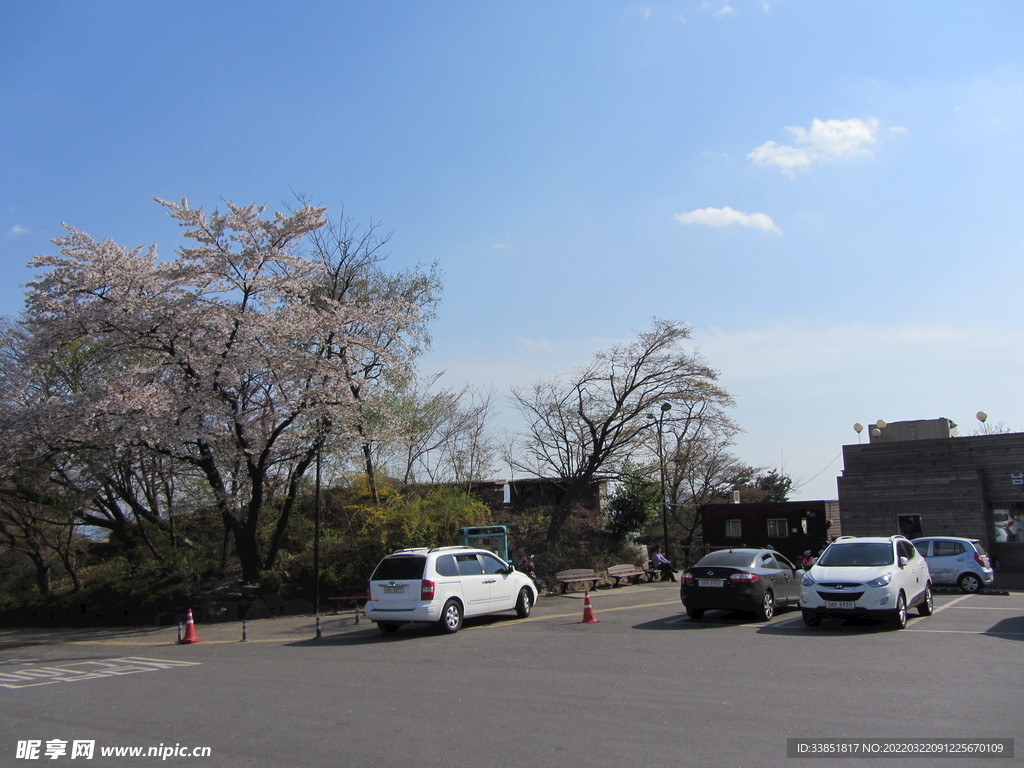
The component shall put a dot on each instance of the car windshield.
(729, 558)
(857, 553)
(399, 568)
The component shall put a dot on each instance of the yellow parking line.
(575, 613)
(171, 642)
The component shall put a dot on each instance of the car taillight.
(427, 589)
(981, 559)
(745, 578)
(687, 577)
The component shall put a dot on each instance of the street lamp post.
(665, 408)
(316, 532)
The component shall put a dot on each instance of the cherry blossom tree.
(235, 358)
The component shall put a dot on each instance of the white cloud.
(825, 140)
(899, 129)
(725, 11)
(724, 217)
(17, 229)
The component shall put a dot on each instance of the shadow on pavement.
(368, 633)
(711, 620)
(1008, 629)
(27, 637)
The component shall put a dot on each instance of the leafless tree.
(585, 424)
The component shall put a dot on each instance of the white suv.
(873, 577)
(444, 584)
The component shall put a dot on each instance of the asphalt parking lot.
(644, 686)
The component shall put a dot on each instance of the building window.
(733, 529)
(1008, 524)
(778, 528)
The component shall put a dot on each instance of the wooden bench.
(651, 572)
(349, 597)
(579, 575)
(626, 571)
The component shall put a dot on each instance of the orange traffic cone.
(588, 611)
(190, 631)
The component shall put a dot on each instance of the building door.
(910, 526)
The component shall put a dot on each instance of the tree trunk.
(563, 511)
(371, 476)
(288, 506)
(42, 572)
(248, 553)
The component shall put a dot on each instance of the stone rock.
(274, 602)
(297, 607)
(257, 610)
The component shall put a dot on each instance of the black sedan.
(757, 580)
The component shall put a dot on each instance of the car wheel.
(524, 603)
(695, 613)
(451, 617)
(767, 608)
(387, 627)
(969, 583)
(898, 620)
(928, 604)
(811, 619)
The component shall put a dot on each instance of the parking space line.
(798, 627)
(950, 604)
(990, 608)
(966, 632)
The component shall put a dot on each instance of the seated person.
(660, 563)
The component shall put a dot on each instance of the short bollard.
(357, 613)
(319, 633)
(181, 632)
(245, 632)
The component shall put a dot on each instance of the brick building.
(921, 479)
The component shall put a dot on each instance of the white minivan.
(442, 585)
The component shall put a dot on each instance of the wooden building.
(791, 527)
(921, 481)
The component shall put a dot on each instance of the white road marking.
(86, 670)
(950, 604)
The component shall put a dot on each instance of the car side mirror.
(903, 562)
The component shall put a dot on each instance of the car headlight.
(881, 581)
(807, 581)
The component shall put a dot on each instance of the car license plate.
(394, 590)
(710, 582)
(839, 604)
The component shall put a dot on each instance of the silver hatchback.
(957, 561)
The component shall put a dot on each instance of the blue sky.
(829, 193)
